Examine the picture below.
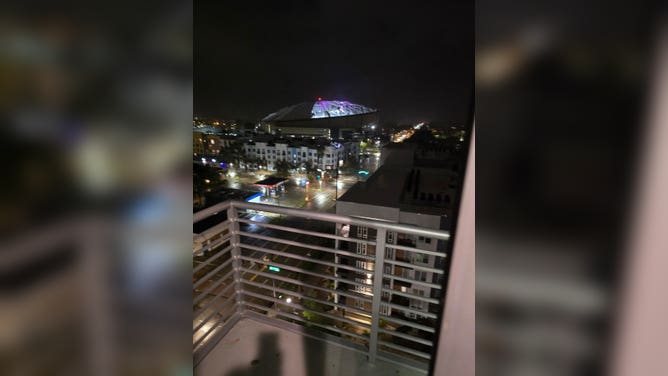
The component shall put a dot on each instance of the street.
(319, 196)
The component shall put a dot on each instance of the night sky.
(412, 61)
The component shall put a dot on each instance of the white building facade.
(323, 157)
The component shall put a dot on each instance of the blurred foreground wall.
(95, 111)
(562, 93)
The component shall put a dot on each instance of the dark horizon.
(410, 63)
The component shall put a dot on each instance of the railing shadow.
(314, 356)
(267, 362)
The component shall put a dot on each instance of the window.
(417, 304)
(359, 303)
(390, 237)
(421, 276)
(427, 240)
(361, 248)
(384, 310)
(389, 253)
(362, 232)
(420, 258)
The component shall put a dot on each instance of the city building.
(210, 141)
(322, 118)
(416, 184)
(420, 196)
(319, 153)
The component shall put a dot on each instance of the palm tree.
(321, 152)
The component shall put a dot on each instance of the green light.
(274, 268)
(362, 172)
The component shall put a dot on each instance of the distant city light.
(274, 268)
(213, 160)
(362, 172)
(288, 300)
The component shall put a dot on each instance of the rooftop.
(271, 181)
(318, 109)
(408, 189)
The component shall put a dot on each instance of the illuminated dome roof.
(318, 109)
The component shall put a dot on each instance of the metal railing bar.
(285, 241)
(306, 297)
(209, 303)
(209, 245)
(414, 266)
(408, 337)
(405, 349)
(307, 259)
(336, 218)
(402, 279)
(218, 229)
(408, 323)
(299, 270)
(301, 319)
(212, 258)
(220, 308)
(308, 285)
(215, 209)
(211, 273)
(411, 296)
(217, 283)
(412, 310)
(336, 252)
(417, 250)
(307, 232)
(202, 351)
(213, 327)
(299, 306)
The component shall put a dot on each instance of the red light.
(319, 98)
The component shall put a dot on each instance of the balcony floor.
(255, 348)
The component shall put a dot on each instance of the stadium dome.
(317, 110)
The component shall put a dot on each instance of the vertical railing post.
(232, 216)
(337, 244)
(377, 293)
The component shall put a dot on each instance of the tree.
(311, 172)
(206, 178)
(351, 164)
(282, 168)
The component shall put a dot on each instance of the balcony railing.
(279, 264)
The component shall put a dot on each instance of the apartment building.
(323, 156)
(207, 142)
(420, 196)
